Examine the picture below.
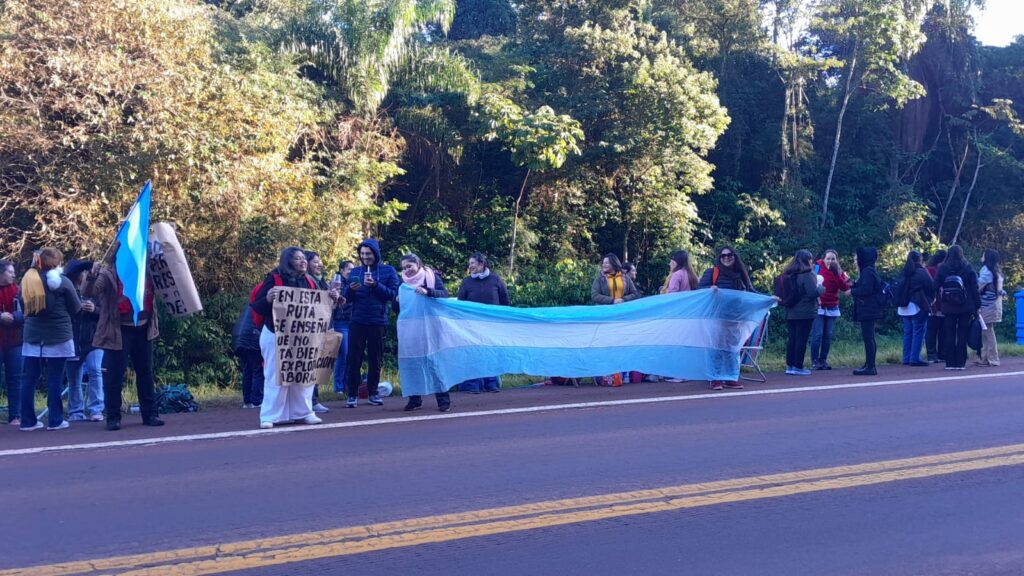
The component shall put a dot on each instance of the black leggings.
(956, 329)
(796, 341)
(867, 332)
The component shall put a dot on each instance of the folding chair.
(750, 353)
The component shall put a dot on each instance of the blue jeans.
(913, 337)
(12, 361)
(54, 379)
(252, 376)
(480, 384)
(76, 371)
(821, 338)
(339, 365)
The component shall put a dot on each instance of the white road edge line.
(504, 411)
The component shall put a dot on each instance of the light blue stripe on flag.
(130, 260)
(695, 335)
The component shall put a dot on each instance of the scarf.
(32, 291)
(425, 278)
(616, 286)
(482, 275)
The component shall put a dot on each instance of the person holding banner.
(728, 273)
(315, 268)
(483, 286)
(371, 288)
(122, 338)
(282, 404)
(49, 301)
(612, 285)
(11, 322)
(427, 282)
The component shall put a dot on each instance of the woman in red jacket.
(836, 282)
(11, 322)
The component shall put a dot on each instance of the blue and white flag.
(130, 260)
(695, 335)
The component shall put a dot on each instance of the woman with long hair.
(913, 298)
(681, 276)
(866, 308)
(957, 285)
(933, 333)
(482, 286)
(50, 301)
(727, 273)
(315, 269)
(835, 282)
(427, 282)
(612, 285)
(801, 308)
(990, 280)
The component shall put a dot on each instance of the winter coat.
(245, 335)
(725, 281)
(807, 307)
(370, 304)
(918, 288)
(833, 284)
(102, 287)
(10, 334)
(53, 325)
(600, 294)
(865, 290)
(970, 279)
(489, 290)
(679, 281)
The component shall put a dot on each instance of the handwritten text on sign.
(302, 319)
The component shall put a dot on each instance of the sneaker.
(375, 400)
(312, 419)
(76, 418)
(15, 422)
(96, 418)
(493, 390)
(933, 359)
(801, 372)
(248, 405)
(113, 425)
(409, 407)
(447, 407)
(351, 402)
(826, 366)
(919, 364)
(790, 370)
(715, 385)
(152, 421)
(816, 366)
(733, 385)
(38, 426)
(950, 368)
(266, 425)
(320, 408)
(63, 424)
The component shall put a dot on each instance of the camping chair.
(750, 352)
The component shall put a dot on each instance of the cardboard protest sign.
(328, 357)
(302, 319)
(169, 270)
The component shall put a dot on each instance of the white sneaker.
(311, 419)
(266, 425)
(320, 408)
(63, 424)
(38, 426)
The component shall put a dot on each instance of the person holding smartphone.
(371, 288)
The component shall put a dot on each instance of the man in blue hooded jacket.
(371, 288)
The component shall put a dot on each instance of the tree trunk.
(515, 226)
(839, 131)
(967, 199)
(958, 168)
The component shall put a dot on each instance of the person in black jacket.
(866, 308)
(914, 297)
(957, 286)
(341, 318)
(88, 360)
(728, 272)
(427, 282)
(245, 343)
(800, 314)
(482, 286)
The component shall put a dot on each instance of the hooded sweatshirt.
(370, 304)
(865, 289)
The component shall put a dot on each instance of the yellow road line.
(430, 529)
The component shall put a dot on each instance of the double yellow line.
(279, 550)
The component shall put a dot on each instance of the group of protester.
(937, 300)
(72, 324)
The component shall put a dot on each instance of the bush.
(196, 349)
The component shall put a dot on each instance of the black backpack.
(886, 295)
(953, 290)
(787, 289)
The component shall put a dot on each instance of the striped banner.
(695, 335)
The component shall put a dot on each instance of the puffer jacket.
(370, 305)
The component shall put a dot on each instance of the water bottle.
(337, 281)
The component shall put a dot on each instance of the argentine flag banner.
(695, 335)
(130, 259)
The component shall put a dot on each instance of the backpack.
(953, 291)
(175, 398)
(787, 289)
(886, 294)
(257, 318)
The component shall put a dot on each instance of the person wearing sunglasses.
(728, 273)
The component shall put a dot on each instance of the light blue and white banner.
(695, 335)
(130, 259)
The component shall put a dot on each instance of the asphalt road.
(962, 515)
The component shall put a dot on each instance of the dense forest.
(543, 133)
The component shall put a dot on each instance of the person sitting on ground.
(482, 286)
(49, 301)
(427, 282)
